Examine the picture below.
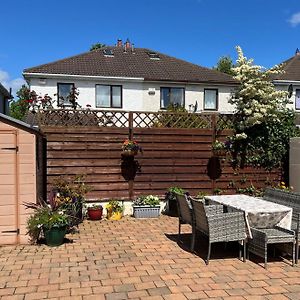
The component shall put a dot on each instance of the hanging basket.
(129, 153)
(219, 152)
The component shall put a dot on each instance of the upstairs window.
(63, 92)
(172, 95)
(109, 96)
(210, 99)
(297, 100)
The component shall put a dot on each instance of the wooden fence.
(177, 151)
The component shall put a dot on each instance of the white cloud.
(295, 19)
(7, 82)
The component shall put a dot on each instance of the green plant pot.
(55, 236)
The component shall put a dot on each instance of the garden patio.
(139, 259)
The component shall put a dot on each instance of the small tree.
(97, 46)
(19, 108)
(225, 65)
(263, 124)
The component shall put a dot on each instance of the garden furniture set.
(251, 221)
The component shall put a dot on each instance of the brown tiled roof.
(137, 65)
(291, 68)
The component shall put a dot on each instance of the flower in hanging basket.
(219, 148)
(130, 147)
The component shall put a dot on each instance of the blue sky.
(200, 31)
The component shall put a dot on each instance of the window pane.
(164, 97)
(64, 90)
(177, 96)
(297, 99)
(210, 99)
(116, 96)
(102, 96)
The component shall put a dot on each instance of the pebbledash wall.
(137, 94)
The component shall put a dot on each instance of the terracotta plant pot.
(95, 213)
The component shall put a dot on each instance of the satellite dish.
(196, 107)
(290, 90)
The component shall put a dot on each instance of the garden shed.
(22, 168)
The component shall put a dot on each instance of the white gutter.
(86, 77)
(287, 81)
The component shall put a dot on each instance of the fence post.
(130, 135)
(214, 133)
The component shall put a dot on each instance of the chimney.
(119, 43)
(132, 47)
(127, 45)
(297, 51)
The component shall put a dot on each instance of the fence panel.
(174, 153)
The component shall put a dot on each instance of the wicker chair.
(261, 238)
(218, 226)
(290, 199)
(185, 216)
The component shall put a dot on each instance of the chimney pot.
(127, 45)
(119, 43)
(297, 51)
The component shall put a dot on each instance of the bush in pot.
(70, 196)
(146, 207)
(95, 212)
(53, 223)
(170, 197)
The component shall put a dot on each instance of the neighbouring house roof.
(19, 124)
(291, 68)
(139, 63)
(5, 92)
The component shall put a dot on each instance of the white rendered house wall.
(136, 95)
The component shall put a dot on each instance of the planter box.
(146, 211)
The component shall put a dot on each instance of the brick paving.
(139, 259)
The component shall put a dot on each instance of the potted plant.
(53, 223)
(114, 210)
(146, 207)
(70, 196)
(130, 148)
(95, 212)
(170, 197)
(219, 148)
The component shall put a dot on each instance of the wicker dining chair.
(185, 216)
(262, 237)
(218, 226)
(290, 199)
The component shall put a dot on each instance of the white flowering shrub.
(263, 124)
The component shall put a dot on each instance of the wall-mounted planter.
(146, 211)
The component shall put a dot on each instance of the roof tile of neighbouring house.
(291, 68)
(135, 64)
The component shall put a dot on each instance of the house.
(290, 80)
(123, 77)
(4, 97)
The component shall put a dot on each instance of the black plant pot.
(173, 210)
(172, 204)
